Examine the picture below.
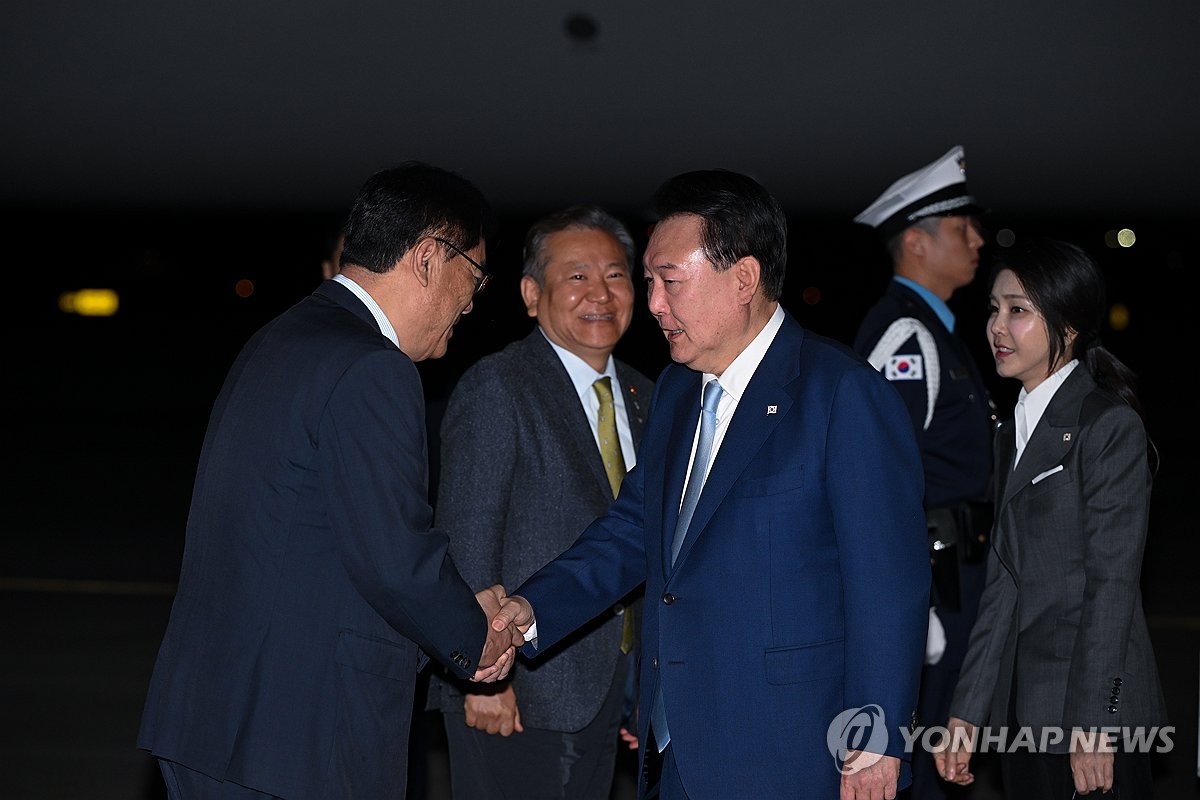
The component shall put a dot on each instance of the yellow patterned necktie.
(614, 467)
(610, 443)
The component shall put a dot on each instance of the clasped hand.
(508, 620)
(1091, 757)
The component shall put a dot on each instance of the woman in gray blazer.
(1060, 654)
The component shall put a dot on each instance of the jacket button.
(1118, 682)
(1116, 690)
(668, 598)
(1112, 709)
(654, 662)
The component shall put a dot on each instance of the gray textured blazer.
(521, 478)
(1061, 617)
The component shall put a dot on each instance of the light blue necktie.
(708, 429)
(699, 471)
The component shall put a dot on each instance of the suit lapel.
(679, 450)
(567, 415)
(635, 410)
(1054, 435)
(750, 427)
(1006, 450)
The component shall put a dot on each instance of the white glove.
(935, 640)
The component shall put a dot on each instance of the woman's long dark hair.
(1067, 288)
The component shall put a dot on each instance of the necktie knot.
(712, 396)
(603, 387)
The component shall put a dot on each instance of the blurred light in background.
(811, 295)
(89, 302)
(1118, 317)
(1122, 238)
(244, 287)
(1005, 237)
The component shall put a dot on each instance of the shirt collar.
(737, 375)
(582, 374)
(932, 300)
(385, 325)
(1036, 402)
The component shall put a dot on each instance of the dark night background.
(169, 151)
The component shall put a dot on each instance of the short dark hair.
(738, 218)
(580, 217)
(895, 243)
(399, 206)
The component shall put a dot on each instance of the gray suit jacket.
(1062, 611)
(521, 477)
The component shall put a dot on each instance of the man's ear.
(914, 240)
(911, 241)
(748, 274)
(419, 257)
(530, 293)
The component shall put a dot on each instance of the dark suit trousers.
(660, 775)
(938, 682)
(538, 764)
(187, 784)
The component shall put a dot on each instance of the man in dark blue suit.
(775, 516)
(312, 584)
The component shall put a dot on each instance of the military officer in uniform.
(928, 222)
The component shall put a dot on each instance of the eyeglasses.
(479, 282)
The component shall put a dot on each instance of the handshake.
(509, 619)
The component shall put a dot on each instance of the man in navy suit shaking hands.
(313, 585)
(775, 516)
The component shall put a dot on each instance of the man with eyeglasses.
(535, 442)
(313, 585)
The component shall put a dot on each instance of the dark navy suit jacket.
(801, 589)
(310, 574)
(956, 453)
(956, 445)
